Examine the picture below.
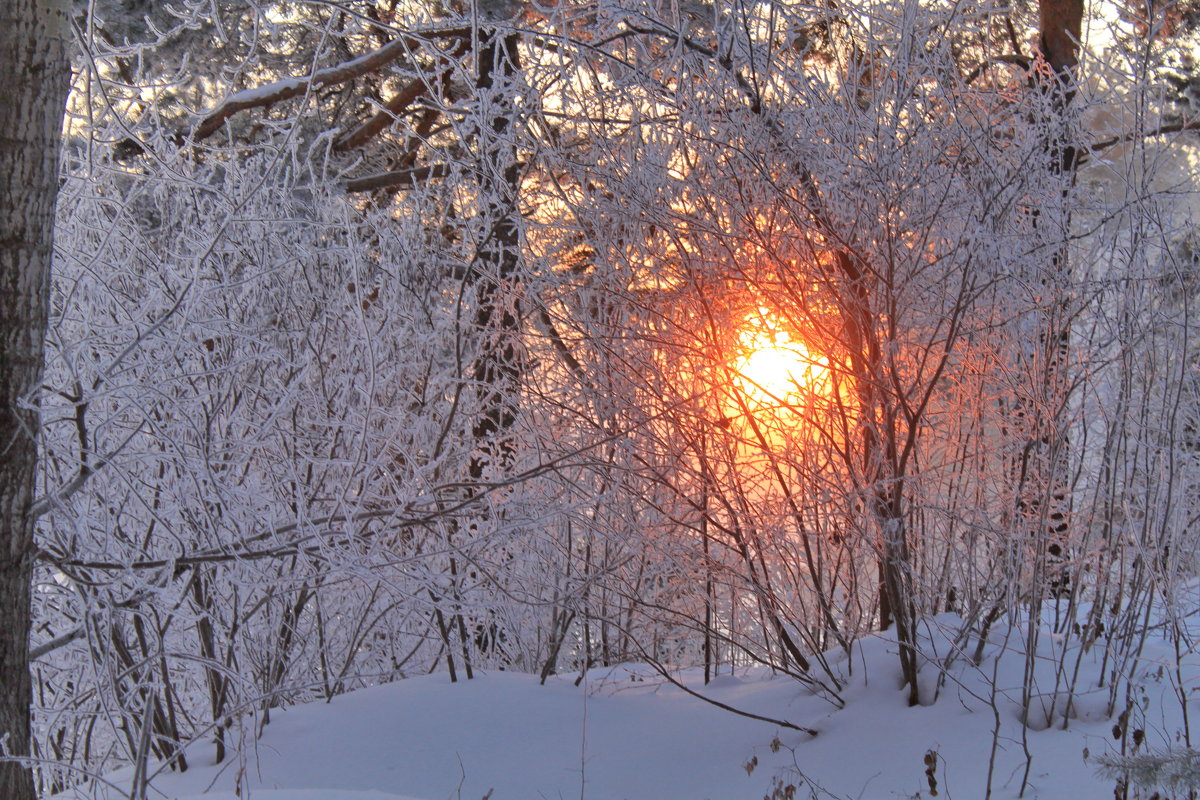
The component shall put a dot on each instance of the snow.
(626, 734)
(258, 94)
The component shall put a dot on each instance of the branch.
(364, 132)
(402, 178)
(1016, 60)
(1174, 127)
(751, 92)
(58, 641)
(662, 670)
(293, 87)
(242, 550)
(59, 496)
(79, 631)
(560, 346)
(1172, 770)
(678, 684)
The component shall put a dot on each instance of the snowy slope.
(625, 734)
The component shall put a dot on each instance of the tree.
(1044, 464)
(821, 184)
(34, 69)
(894, 184)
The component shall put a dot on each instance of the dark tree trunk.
(498, 363)
(34, 74)
(497, 367)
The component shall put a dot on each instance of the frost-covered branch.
(287, 88)
(1171, 771)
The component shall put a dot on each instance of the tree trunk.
(1061, 23)
(497, 367)
(881, 468)
(34, 75)
(1043, 499)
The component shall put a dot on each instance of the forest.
(348, 341)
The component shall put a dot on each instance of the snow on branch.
(304, 535)
(1172, 771)
(287, 88)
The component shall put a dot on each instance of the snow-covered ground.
(625, 733)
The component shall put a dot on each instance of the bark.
(1061, 22)
(497, 367)
(34, 74)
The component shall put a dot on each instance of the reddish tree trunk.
(1061, 23)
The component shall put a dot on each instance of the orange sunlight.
(775, 369)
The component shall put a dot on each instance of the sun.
(774, 368)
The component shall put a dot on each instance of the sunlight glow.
(774, 368)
